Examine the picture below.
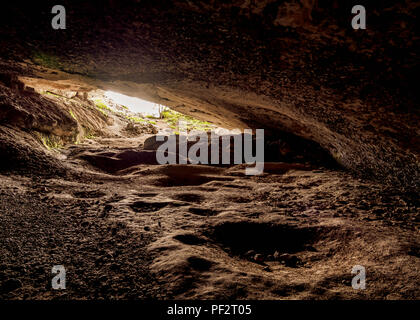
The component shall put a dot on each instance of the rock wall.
(293, 66)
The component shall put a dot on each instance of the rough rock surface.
(201, 232)
(295, 66)
(126, 227)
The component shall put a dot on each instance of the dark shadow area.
(240, 237)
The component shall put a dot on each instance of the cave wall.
(293, 66)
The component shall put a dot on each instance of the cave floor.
(162, 231)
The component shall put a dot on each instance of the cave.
(85, 110)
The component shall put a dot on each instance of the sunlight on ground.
(135, 104)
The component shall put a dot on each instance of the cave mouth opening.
(166, 119)
(136, 105)
(279, 146)
(137, 116)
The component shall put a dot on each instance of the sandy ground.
(191, 231)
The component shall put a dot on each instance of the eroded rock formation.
(295, 66)
(79, 183)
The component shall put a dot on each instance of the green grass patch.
(136, 119)
(52, 94)
(141, 120)
(46, 60)
(72, 114)
(49, 141)
(90, 135)
(101, 105)
(172, 118)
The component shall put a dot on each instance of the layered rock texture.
(293, 66)
(79, 182)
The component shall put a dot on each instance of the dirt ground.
(191, 231)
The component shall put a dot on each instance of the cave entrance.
(153, 119)
(143, 112)
(136, 105)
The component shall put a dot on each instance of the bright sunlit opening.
(135, 104)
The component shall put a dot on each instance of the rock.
(10, 285)
(105, 211)
(288, 260)
(250, 254)
(85, 224)
(310, 248)
(115, 267)
(259, 258)
(375, 147)
(151, 143)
